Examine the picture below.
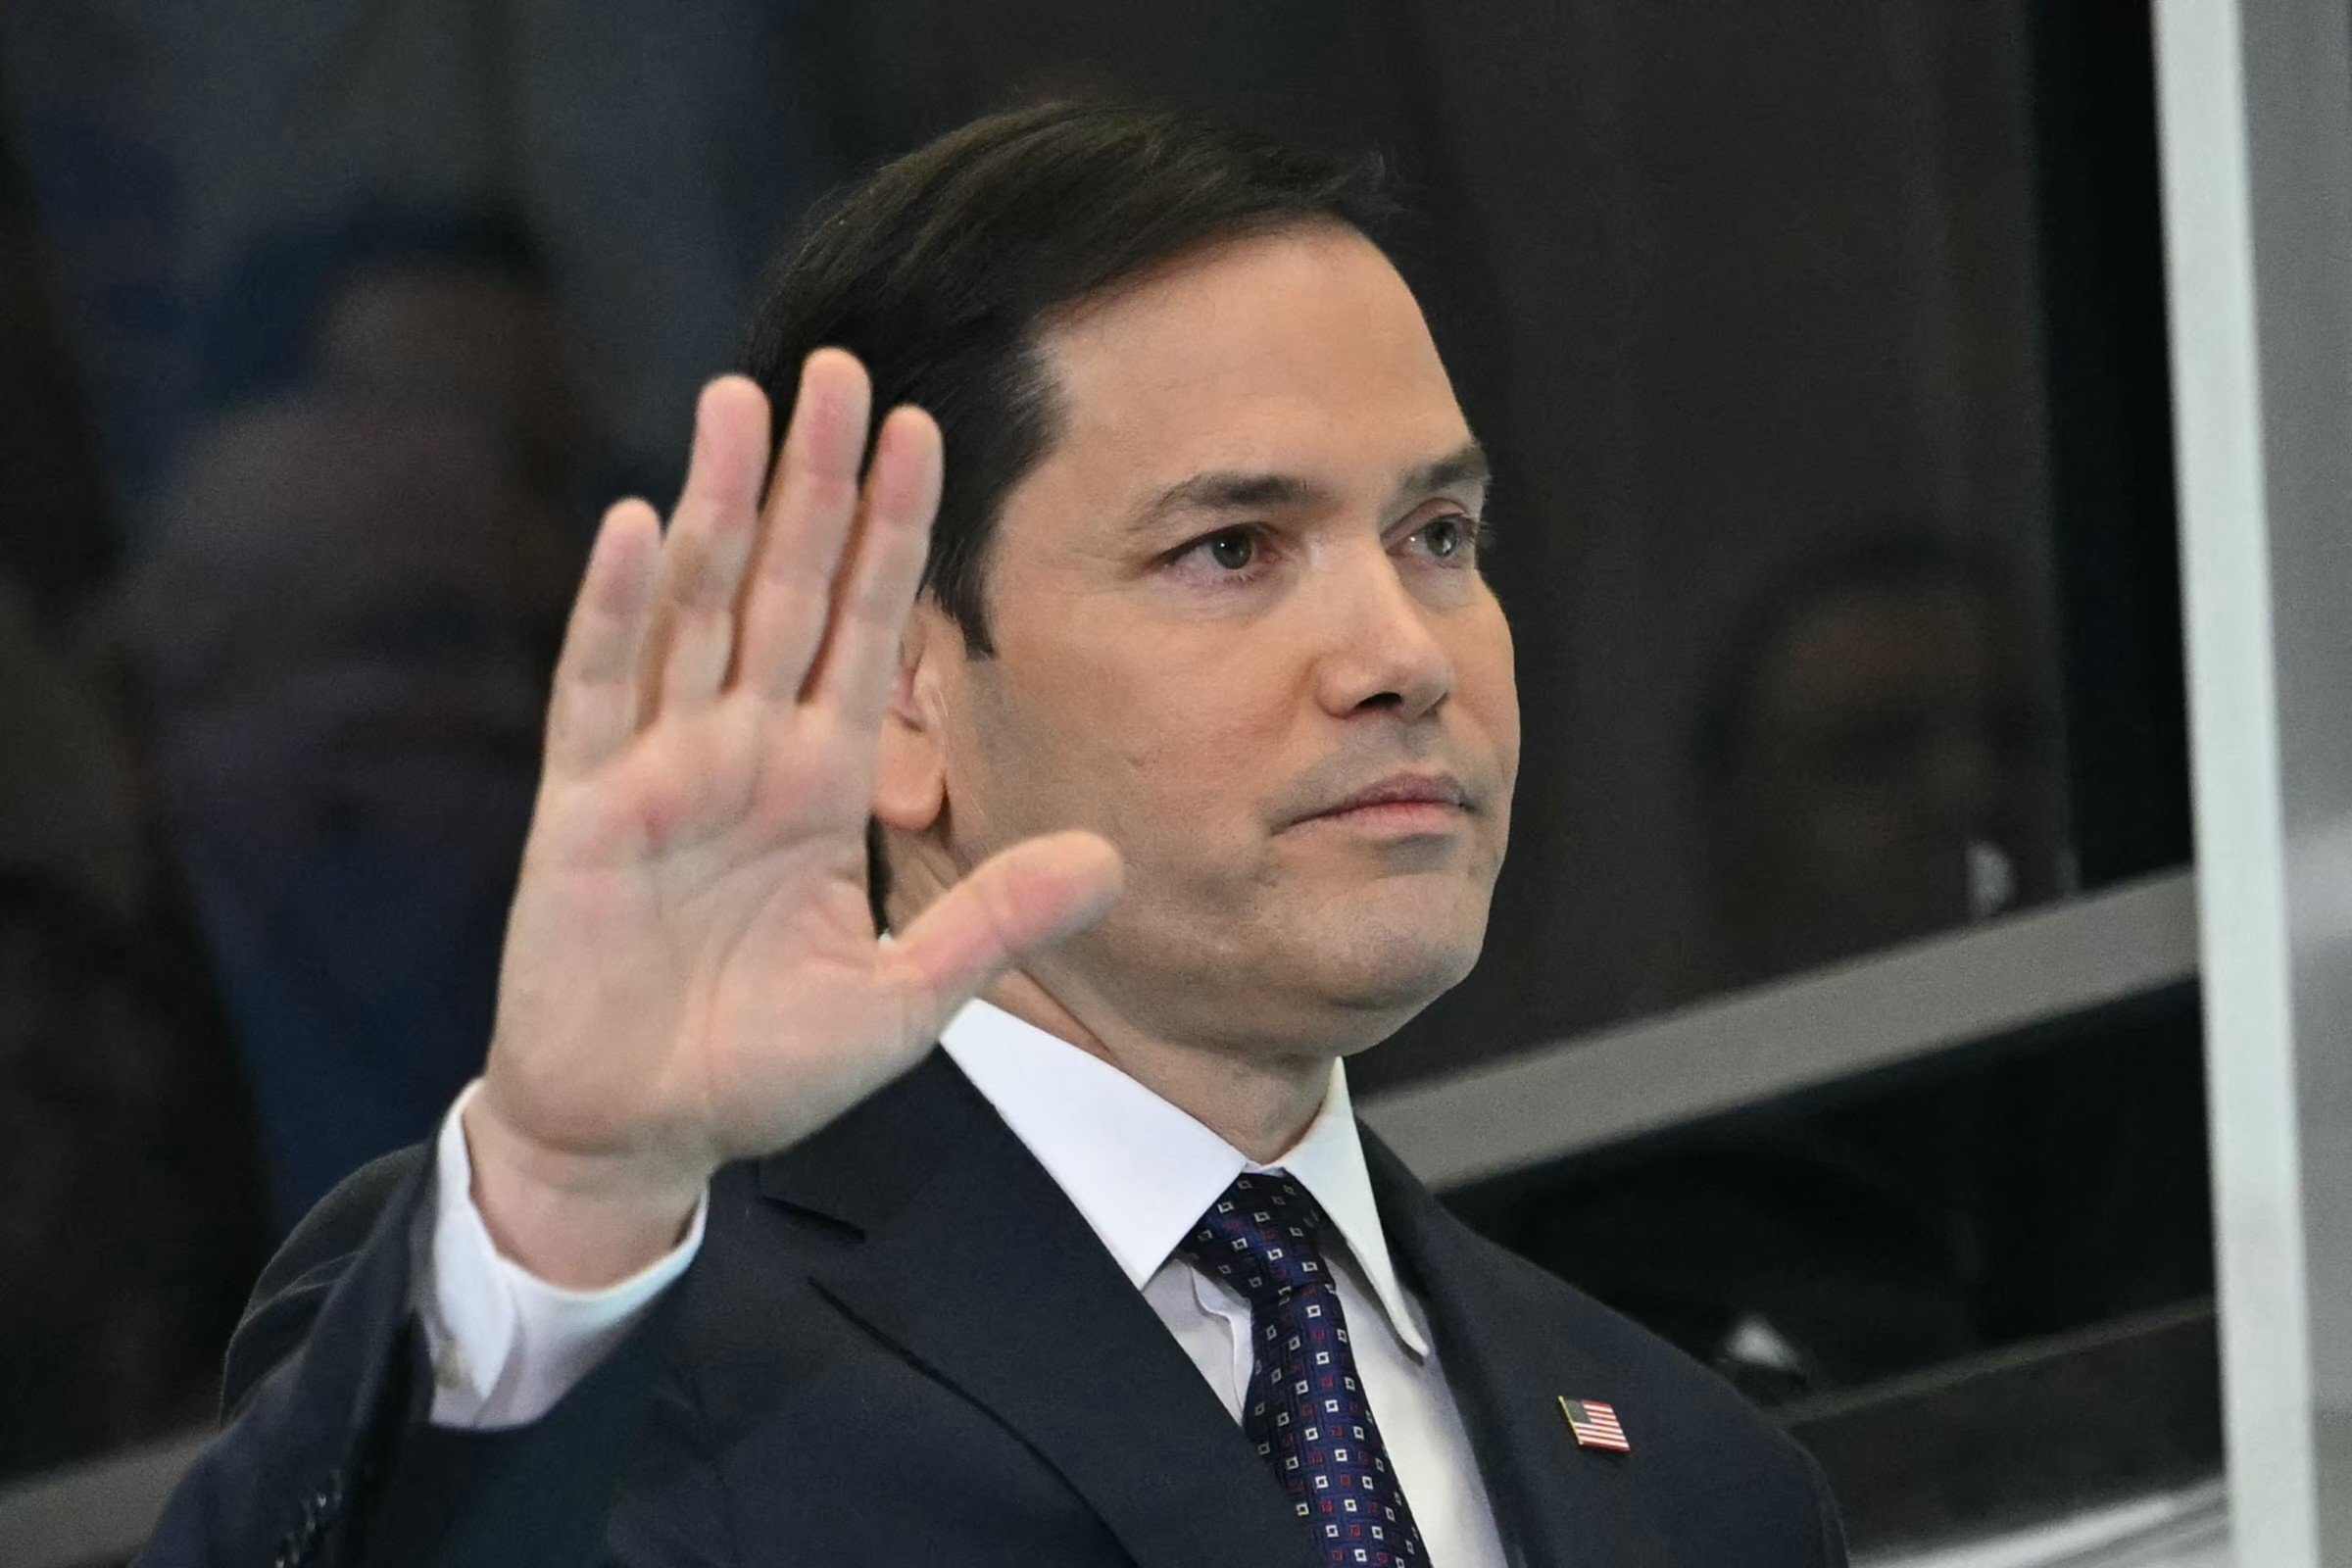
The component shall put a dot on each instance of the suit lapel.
(1507, 1360)
(977, 1267)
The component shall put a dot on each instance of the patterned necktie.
(1305, 1410)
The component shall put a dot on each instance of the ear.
(911, 766)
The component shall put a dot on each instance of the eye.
(1448, 537)
(1228, 559)
(1233, 549)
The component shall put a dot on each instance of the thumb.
(1028, 897)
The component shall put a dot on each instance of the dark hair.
(940, 270)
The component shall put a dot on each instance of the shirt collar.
(1141, 1171)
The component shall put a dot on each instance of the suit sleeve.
(328, 1455)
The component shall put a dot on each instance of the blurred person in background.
(130, 1205)
(342, 627)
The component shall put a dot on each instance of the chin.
(1398, 968)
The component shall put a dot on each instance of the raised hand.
(691, 974)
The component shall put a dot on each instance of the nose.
(1381, 652)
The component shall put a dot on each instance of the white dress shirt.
(505, 1345)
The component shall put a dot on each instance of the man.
(1193, 759)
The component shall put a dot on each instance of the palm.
(691, 974)
(709, 887)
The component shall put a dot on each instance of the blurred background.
(1821, 348)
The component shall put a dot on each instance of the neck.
(1258, 1103)
(1260, 1106)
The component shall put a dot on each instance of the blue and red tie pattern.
(1304, 1410)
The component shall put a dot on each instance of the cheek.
(1487, 685)
(1157, 746)
(1194, 749)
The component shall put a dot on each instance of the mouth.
(1401, 803)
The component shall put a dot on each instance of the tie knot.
(1259, 1238)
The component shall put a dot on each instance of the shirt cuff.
(505, 1345)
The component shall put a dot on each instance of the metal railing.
(1745, 1049)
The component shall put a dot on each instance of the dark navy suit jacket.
(902, 1345)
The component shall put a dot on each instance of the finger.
(709, 540)
(1019, 900)
(593, 710)
(885, 567)
(814, 497)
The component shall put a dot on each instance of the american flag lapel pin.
(1595, 1425)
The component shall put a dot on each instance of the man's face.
(1240, 592)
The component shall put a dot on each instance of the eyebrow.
(1236, 490)
(1469, 465)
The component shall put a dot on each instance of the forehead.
(1301, 352)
